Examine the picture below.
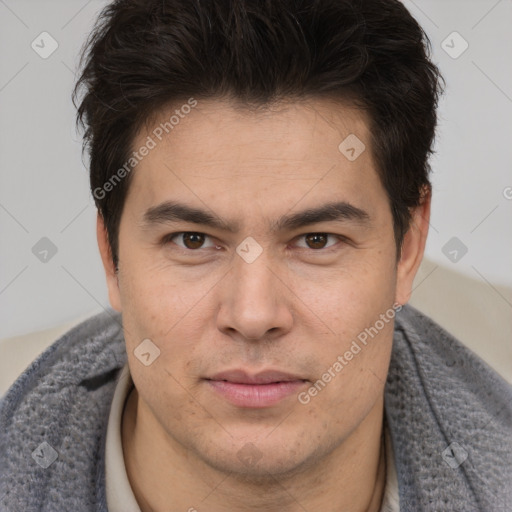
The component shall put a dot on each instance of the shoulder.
(450, 417)
(56, 413)
(93, 346)
(439, 355)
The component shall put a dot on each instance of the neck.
(164, 475)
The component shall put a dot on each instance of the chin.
(261, 463)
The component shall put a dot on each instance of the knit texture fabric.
(449, 415)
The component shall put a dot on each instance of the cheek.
(166, 401)
(350, 298)
(155, 309)
(171, 374)
(155, 297)
(357, 310)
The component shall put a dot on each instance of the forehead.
(214, 125)
(222, 152)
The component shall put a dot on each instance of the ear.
(413, 247)
(110, 271)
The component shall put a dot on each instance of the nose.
(255, 302)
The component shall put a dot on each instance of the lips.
(262, 389)
(264, 377)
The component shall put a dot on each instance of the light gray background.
(44, 185)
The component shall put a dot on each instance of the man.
(261, 176)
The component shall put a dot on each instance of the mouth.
(263, 389)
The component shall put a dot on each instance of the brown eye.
(189, 241)
(193, 240)
(316, 240)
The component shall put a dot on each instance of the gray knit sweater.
(449, 415)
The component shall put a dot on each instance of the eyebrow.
(172, 211)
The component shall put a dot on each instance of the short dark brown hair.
(144, 54)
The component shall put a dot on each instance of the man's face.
(264, 295)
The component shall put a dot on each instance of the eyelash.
(168, 239)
